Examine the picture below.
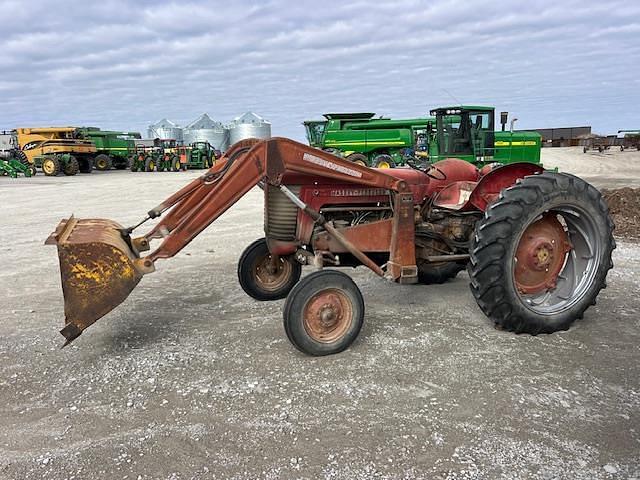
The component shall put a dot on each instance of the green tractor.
(380, 142)
(198, 155)
(167, 157)
(468, 133)
(113, 149)
(157, 155)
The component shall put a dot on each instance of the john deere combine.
(465, 132)
(56, 149)
(113, 149)
(360, 138)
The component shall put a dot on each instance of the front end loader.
(537, 244)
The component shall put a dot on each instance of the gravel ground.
(190, 378)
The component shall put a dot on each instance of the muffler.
(98, 267)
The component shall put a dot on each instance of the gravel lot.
(190, 378)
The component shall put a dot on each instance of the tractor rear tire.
(383, 161)
(86, 165)
(256, 279)
(175, 164)
(51, 166)
(103, 162)
(71, 167)
(358, 158)
(324, 313)
(149, 164)
(541, 254)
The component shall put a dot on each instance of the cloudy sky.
(125, 64)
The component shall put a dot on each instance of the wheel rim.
(272, 273)
(328, 315)
(102, 164)
(48, 166)
(384, 164)
(556, 260)
(360, 162)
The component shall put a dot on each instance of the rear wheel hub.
(541, 255)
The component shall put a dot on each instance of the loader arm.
(266, 161)
(100, 264)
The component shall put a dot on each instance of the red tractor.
(537, 244)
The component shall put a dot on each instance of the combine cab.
(468, 133)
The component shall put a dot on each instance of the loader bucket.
(98, 269)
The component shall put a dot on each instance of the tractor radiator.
(280, 216)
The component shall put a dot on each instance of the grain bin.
(204, 129)
(249, 125)
(165, 129)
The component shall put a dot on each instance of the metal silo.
(165, 129)
(249, 125)
(204, 129)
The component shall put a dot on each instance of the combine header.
(537, 244)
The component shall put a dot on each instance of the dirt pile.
(624, 205)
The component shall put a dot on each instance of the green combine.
(465, 132)
(380, 142)
(113, 149)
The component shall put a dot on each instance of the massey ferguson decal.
(330, 165)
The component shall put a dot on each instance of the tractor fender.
(491, 184)
(464, 195)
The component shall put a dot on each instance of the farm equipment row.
(537, 244)
(167, 155)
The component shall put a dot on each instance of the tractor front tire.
(51, 166)
(72, 166)
(103, 162)
(358, 158)
(323, 314)
(541, 254)
(149, 164)
(260, 278)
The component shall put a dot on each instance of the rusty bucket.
(98, 267)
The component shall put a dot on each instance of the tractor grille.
(280, 214)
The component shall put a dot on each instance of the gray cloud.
(125, 64)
